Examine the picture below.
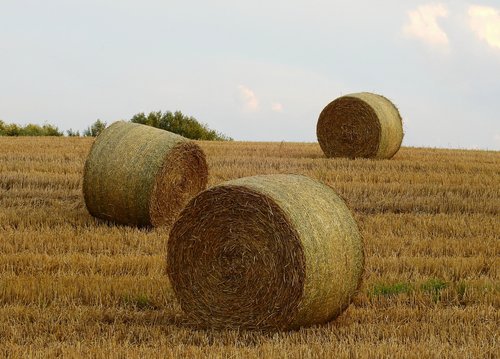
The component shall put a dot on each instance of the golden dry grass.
(72, 286)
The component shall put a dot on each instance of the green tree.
(95, 129)
(72, 133)
(51, 130)
(31, 130)
(153, 119)
(176, 122)
(13, 129)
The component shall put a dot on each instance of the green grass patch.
(434, 287)
(384, 289)
(139, 301)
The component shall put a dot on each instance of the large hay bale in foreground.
(275, 251)
(360, 125)
(140, 175)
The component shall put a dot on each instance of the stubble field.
(74, 286)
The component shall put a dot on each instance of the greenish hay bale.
(265, 252)
(360, 125)
(140, 175)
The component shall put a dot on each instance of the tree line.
(175, 122)
(13, 129)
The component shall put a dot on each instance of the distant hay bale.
(274, 251)
(360, 125)
(140, 175)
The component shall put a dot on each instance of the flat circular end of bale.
(184, 174)
(360, 125)
(235, 261)
(265, 252)
(348, 127)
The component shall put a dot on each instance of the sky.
(254, 70)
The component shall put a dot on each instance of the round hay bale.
(360, 125)
(274, 251)
(140, 175)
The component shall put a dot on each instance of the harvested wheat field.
(71, 285)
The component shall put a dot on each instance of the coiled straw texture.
(140, 175)
(360, 125)
(274, 251)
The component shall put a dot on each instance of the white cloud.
(248, 98)
(277, 107)
(485, 22)
(423, 24)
